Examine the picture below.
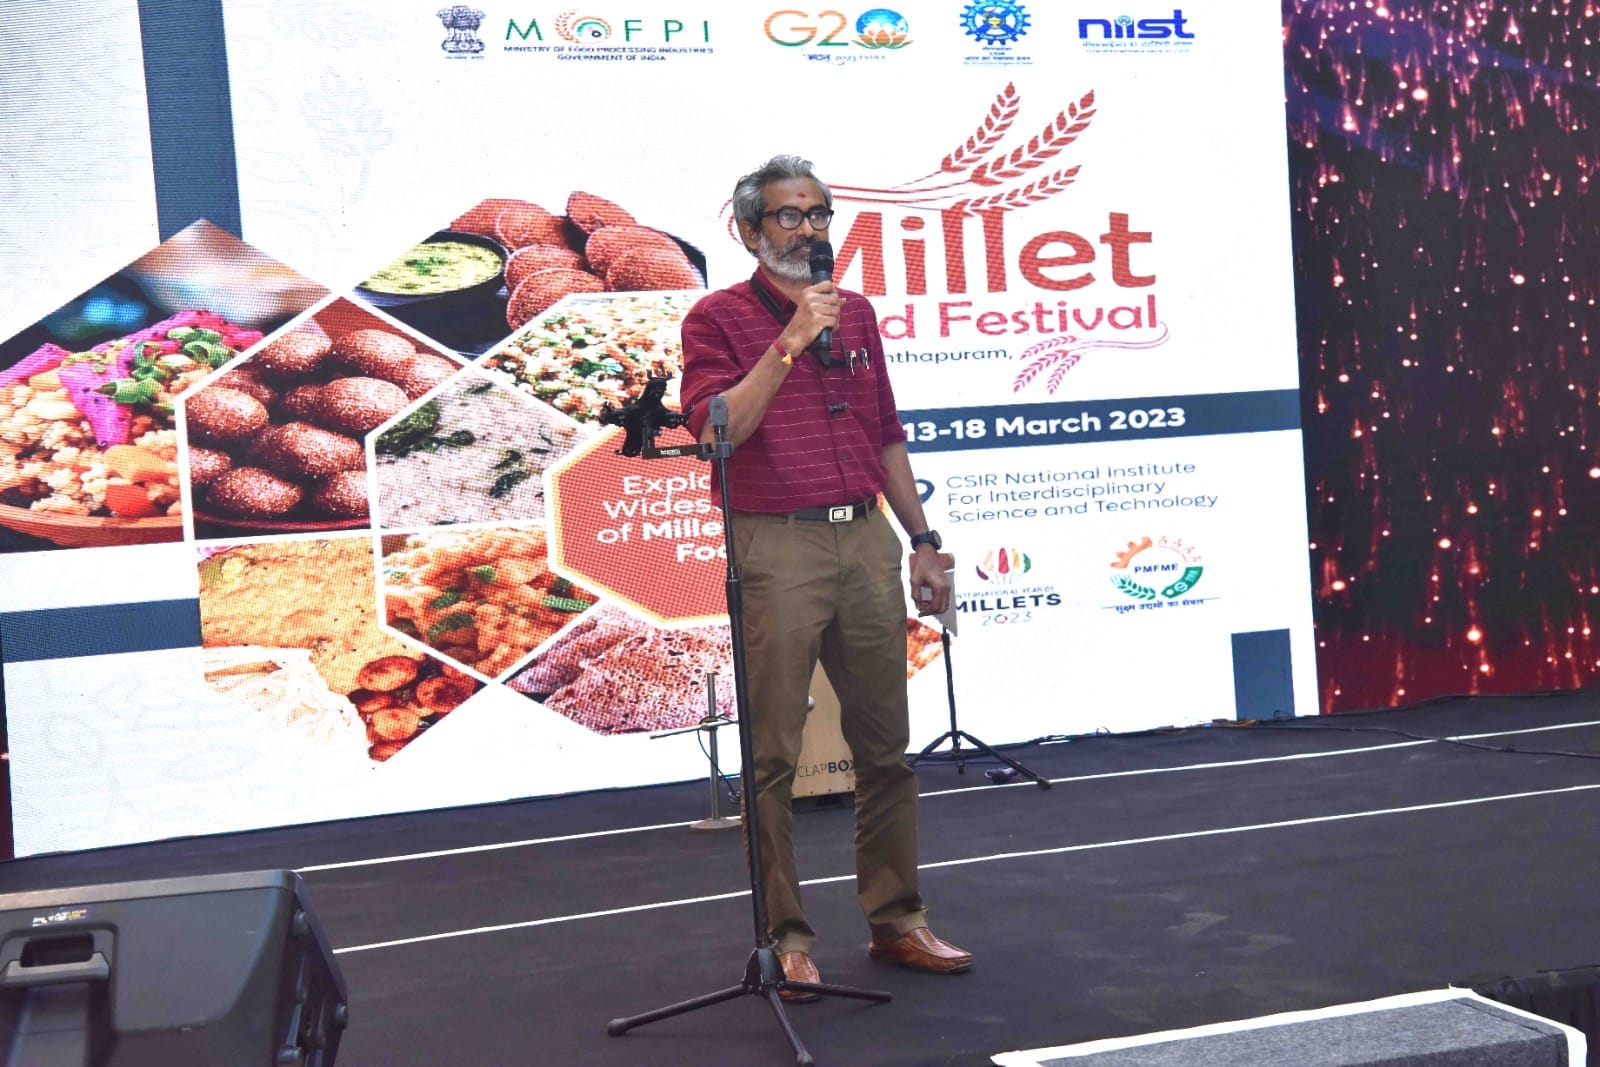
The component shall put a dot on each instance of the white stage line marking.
(1281, 759)
(469, 849)
(1062, 850)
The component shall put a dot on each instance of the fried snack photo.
(275, 444)
(317, 595)
(505, 261)
(484, 598)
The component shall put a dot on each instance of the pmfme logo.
(1148, 563)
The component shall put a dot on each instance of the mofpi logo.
(1151, 570)
(580, 28)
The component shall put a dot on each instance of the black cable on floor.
(727, 779)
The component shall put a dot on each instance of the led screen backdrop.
(323, 519)
(1443, 160)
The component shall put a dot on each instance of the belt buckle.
(842, 513)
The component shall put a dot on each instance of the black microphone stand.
(955, 735)
(763, 974)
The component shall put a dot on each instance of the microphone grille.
(821, 256)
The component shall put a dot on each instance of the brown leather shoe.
(921, 951)
(797, 967)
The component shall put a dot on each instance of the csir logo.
(1146, 562)
(877, 28)
(996, 23)
(1004, 566)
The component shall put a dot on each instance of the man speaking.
(817, 436)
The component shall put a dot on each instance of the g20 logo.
(876, 28)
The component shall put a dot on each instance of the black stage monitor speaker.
(227, 970)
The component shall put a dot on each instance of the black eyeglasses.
(789, 217)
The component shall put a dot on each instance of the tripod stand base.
(725, 823)
(955, 755)
(763, 977)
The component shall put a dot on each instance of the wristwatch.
(927, 537)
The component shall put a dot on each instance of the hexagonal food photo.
(88, 438)
(476, 451)
(615, 673)
(590, 352)
(506, 260)
(484, 598)
(275, 444)
(291, 628)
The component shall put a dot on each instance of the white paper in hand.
(947, 617)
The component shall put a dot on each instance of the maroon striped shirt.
(801, 455)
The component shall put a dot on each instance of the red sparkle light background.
(1447, 262)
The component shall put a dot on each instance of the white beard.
(792, 262)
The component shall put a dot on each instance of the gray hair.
(748, 203)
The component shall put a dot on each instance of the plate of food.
(275, 445)
(444, 270)
(88, 440)
(588, 245)
(589, 352)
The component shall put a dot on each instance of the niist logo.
(1126, 33)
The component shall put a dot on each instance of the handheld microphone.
(822, 271)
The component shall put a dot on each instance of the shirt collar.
(784, 304)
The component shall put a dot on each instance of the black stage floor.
(1168, 880)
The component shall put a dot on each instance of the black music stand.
(763, 974)
(955, 735)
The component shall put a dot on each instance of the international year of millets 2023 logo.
(1004, 566)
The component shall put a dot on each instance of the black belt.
(837, 513)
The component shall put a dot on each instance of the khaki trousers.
(831, 591)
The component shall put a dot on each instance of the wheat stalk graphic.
(1002, 113)
(1061, 353)
(973, 177)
